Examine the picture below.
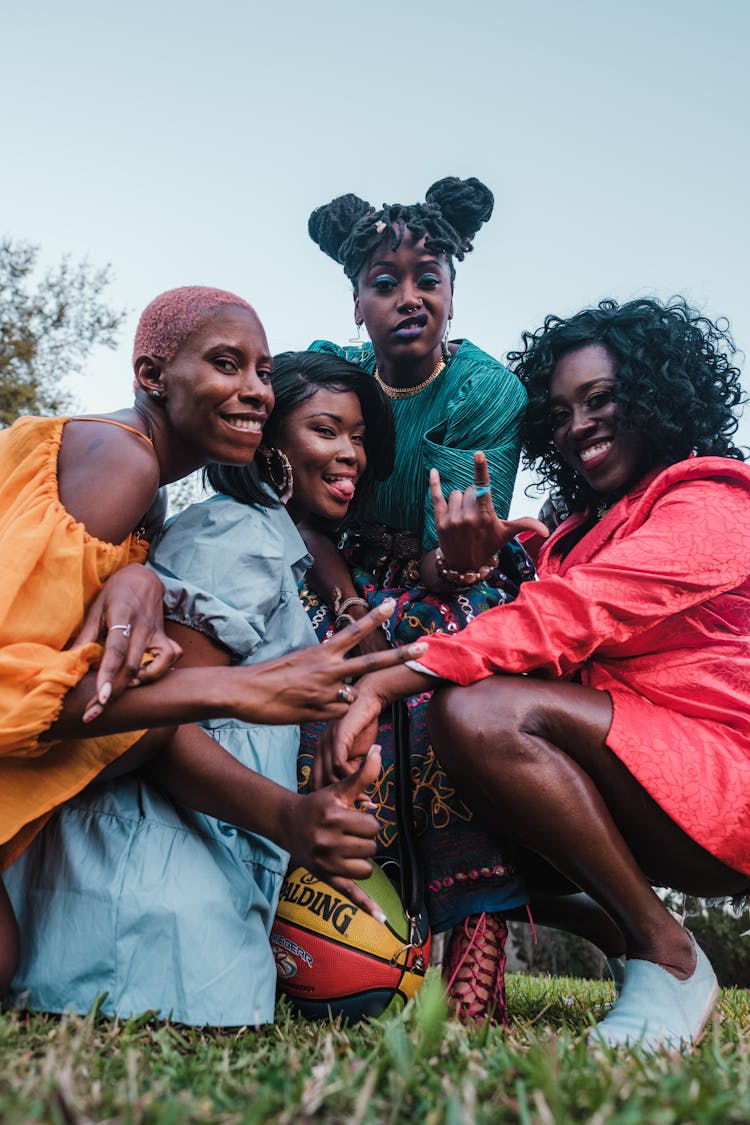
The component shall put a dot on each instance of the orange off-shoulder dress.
(51, 570)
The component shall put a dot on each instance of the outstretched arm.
(303, 686)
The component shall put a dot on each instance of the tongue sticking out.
(343, 488)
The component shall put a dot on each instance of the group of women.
(577, 725)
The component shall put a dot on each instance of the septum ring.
(345, 695)
(126, 629)
(482, 490)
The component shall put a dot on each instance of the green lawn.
(416, 1065)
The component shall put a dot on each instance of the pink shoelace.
(474, 969)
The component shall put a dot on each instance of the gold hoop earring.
(278, 471)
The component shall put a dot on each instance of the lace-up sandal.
(474, 969)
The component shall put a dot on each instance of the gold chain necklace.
(407, 392)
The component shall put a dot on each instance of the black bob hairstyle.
(350, 229)
(676, 384)
(295, 377)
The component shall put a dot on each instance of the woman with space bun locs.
(449, 399)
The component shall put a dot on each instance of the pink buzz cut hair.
(172, 316)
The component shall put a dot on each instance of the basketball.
(333, 958)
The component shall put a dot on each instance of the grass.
(414, 1066)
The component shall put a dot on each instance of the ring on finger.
(482, 490)
(126, 629)
(345, 695)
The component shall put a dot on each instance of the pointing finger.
(436, 493)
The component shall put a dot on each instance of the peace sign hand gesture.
(468, 528)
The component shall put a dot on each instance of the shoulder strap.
(112, 422)
(412, 882)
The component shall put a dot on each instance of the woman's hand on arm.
(470, 533)
(126, 618)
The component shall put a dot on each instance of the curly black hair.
(295, 377)
(676, 383)
(350, 229)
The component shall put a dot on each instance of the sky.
(187, 143)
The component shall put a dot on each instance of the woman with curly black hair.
(604, 720)
(449, 398)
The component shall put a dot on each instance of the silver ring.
(482, 490)
(345, 695)
(126, 629)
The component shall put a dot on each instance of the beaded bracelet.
(462, 579)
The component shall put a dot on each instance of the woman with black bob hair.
(602, 721)
(449, 398)
(296, 377)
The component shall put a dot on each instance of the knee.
(482, 723)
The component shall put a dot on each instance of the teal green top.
(476, 403)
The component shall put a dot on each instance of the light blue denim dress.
(124, 892)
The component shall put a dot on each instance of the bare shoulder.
(108, 477)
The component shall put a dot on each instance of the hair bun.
(465, 204)
(330, 225)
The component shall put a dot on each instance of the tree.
(48, 326)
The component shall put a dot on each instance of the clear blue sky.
(187, 143)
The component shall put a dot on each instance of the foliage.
(720, 934)
(556, 952)
(417, 1065)
(718, 930)
(48, 326)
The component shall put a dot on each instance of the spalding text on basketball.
(339, 912)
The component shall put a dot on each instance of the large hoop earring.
(278, 471)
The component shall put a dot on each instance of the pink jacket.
(653, 606)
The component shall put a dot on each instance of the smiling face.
(323, 437)
(583, 417)
(405, 299)
(216, 391)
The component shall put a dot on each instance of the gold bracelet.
(341, 618)
(348, 603)
(462, 579)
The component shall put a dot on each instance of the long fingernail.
(379, 916)
(104, 693)
(93, 712)
(418, 649)
(388, 605)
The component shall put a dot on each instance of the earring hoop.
(278, 471)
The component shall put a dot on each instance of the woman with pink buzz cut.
(81, 619)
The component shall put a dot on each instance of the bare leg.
(576, 914)
(531, 758)
(8, 941)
